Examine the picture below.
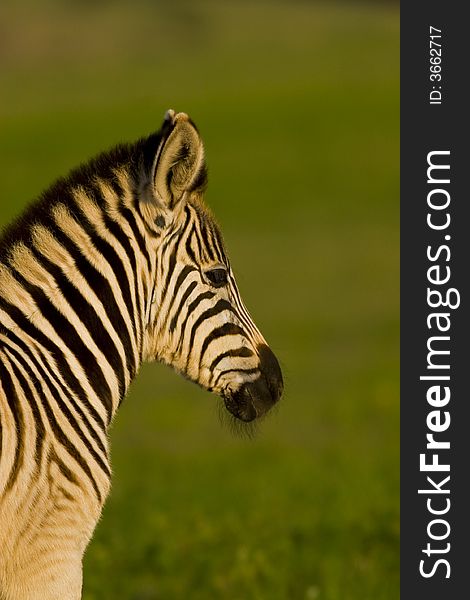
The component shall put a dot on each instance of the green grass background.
(298, 105)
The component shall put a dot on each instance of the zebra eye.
(217, 277)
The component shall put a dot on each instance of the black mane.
(133, 156)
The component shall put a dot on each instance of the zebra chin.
(253, 399)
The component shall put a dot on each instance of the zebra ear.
(179, 159)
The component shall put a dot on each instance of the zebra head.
(197, 322)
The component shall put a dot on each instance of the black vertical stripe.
(36, 334)
(76, 345)
(52, 384)
(117, 232)
(122, 238)
(200, 298)
(90, 319)
(210, 243)
(129, 216)
(174, 234)
(189, 249)
(217, 246)
(179, 282)
(15, 407)
(112, 258)
(39, 386)
(103, 290)
(203, 241)
(171, 268)
(69, 389)
(39, 425)
(64, 441)
(196, 241)
(183, 300)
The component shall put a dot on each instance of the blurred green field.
(298, 106)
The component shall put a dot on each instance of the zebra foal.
(117, 264)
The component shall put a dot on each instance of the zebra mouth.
(240, 405)
(253, 399)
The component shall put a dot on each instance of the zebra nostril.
(271, 371)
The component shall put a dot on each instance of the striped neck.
(75, 284)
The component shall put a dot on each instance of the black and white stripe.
(117, 264)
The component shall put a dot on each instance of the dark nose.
(255, 398)
(271, 371)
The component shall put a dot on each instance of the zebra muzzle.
(253, 399)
